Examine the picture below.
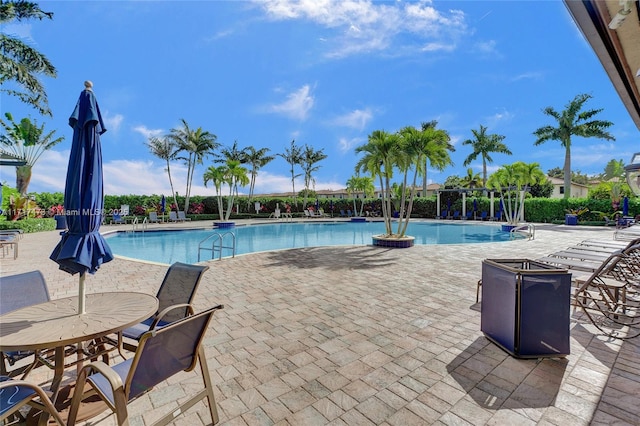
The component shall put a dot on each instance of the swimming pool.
(182, 246)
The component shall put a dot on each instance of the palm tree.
(418, 146)
(572, 122)
(380, 154)
(27, 141)
(363, 185)
(614, 169)
(471, 180)
(164, 149)
(449, 146)
(197, 144)
(513, 181)
(256, 159)
(21, 64)
(232, 153)
(217, 175)
(293, 156)
(235, 175)
(310, 157)
(483, 145)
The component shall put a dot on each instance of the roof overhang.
(11, 160)
(618, 49)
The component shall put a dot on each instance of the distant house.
(577, 190)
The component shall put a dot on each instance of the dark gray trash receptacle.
(526, 307)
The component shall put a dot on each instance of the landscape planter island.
(393, 242)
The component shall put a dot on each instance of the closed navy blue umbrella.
(163, 204)
(82, 249)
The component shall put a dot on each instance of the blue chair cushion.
(13, 396)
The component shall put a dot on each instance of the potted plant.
(407, 151)
(513, 182)
(571, 215)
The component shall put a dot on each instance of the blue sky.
(325, 73)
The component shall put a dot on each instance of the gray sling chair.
(15, 394)
(161, 354)
(175, 295)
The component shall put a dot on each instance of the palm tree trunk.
(23, 177)
(567, 172)
(173, 192)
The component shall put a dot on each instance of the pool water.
(182, 246)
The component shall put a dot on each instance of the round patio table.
(56, 324)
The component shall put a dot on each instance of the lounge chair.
(160, 355)
(175, 295)
(153, 217)
(349, 213)
(342, 213)
(483, 215)
(603, 295)
(9, 241)
(456, 214)
(15, 394)
(182, 217)
(275, 214)
(469, 215)
(118, 219)
(173, 217)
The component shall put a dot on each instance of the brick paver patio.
(357, 335)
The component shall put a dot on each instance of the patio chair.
(175, 295)
(161, 354)
(153, 217)
(19, 291)
(117, 219)
(182, 217)
(7, 241)
(173, 217)
(483, 215)
(604, 296)
(456, 214)
(15, 394)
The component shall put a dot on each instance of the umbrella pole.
(81, 294)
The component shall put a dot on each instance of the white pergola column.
(464, 205)
(491, 209)
(438, 205)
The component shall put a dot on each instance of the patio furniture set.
(162, 333)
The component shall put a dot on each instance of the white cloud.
(365, 26)
(146, 132)
(346, 145)
(297, 105)
(356, 119)
(531, 75)
(499, 117)
(113, 122)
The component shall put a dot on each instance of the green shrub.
(30, 225)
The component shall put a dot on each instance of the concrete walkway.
(358, 335)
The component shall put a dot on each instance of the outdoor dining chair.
(161, 354)
(15, 394)
(175, 295)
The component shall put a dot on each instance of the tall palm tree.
(164, 149)
(449, 146)
(20, 63)
(217, 175)
(196, 144)
(572, 121)
(363, 185)
(27, 141)
(483, 145)
(293, 156)
(380, 153)
(308, 162)
(614, 169)
(418, 146)
(256, 158)
(235, 175)
(232, 153)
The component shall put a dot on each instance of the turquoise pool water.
(182, 246)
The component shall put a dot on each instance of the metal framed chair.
(175, 295)
(161, 354)
(18, 291)
(15, 394)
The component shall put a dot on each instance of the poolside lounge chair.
(15, 394)
(275, 214)
(342, 213)
(153, 217)
(349, 213)
(117, 219)
(182, 217)
(9, 241)
(456, 214)
(483, 215)
(161, 354)
(604, 295)
(173, 217)
(175, 295)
